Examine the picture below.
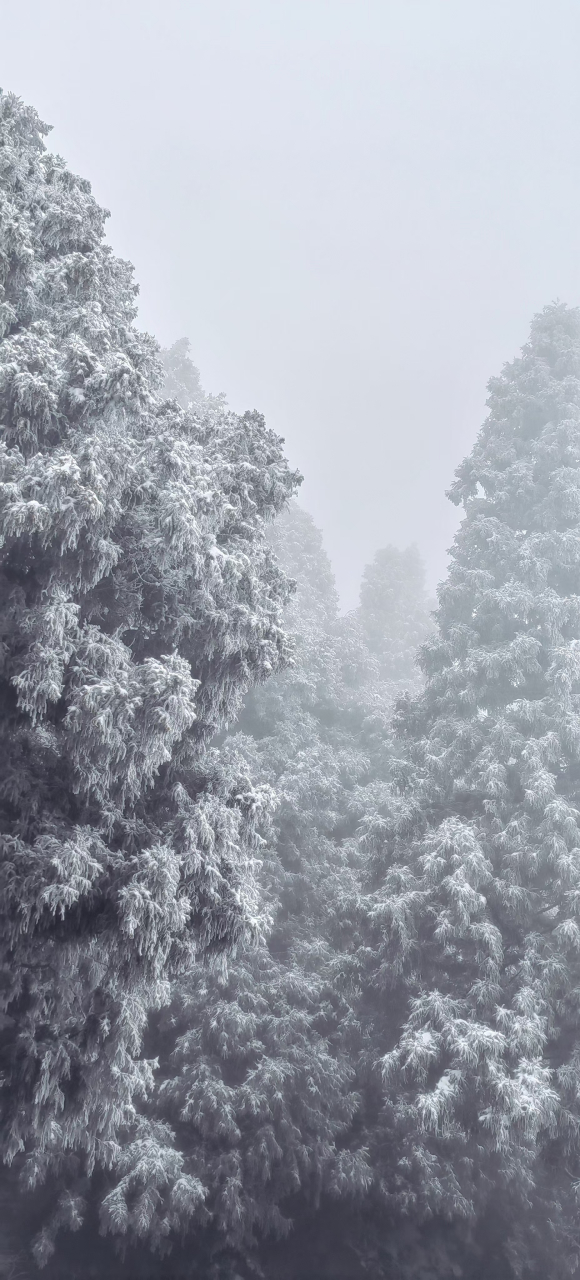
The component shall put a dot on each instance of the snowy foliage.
(181, 379)
(254, 1080)
(473, 924)
(140, 599)
(289, 924)
(395, 613)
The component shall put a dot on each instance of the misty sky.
(351, 207)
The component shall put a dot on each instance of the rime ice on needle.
(475, 923)
(126, 643)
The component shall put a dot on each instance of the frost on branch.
(474, 856)
(139, 600)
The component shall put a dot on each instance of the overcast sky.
(351, 207)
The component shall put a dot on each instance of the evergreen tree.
(181, 381)
(395, 613)
(254, 1081)
(257, 1076)
(473, 942)
(139, 600)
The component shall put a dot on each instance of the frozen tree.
(181, 375)
(258, 1123)
(395, 613)
(181, 381)
(139, 600)
(473, 922)
(255, 1078)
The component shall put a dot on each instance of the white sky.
(351, 207)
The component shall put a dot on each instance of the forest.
(290, 897)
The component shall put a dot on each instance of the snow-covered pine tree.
(252, 1143)
(254, 1079)
(139, 599)
(395, 613)
(182, 381)
(474, 922)
(181, 375)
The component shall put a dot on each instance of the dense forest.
(290, 909)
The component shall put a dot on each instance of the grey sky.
(351, 207)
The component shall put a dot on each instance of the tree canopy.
(475, 853)
(139, 600)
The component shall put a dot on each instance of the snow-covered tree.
(139, 600)
(181, 375)
(257, 1126)
(473, 942)
(254, 1080)
(395, 613)
(182, 380)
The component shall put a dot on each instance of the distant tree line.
(290, 899)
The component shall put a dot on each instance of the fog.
(290, 876)
(352, 210)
